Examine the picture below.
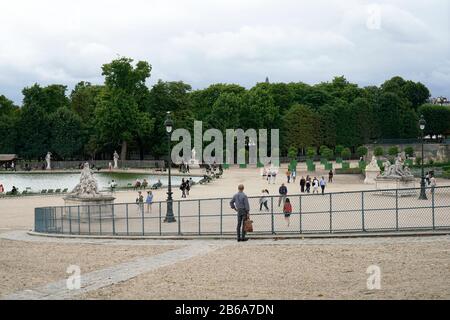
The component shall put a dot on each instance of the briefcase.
(248, 225)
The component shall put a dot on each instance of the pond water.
(38, 181)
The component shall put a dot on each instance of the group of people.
(291, 176)
(430, 180)
(185, 187)
(148, 202)
(307, 183)
(270, 175)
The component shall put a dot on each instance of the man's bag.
(248, 225)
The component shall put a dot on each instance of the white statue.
(88, 187)
(372, 171)
(48, 159)
(396, 170)
(116, 159)
(193, 154)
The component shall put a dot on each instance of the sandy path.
(24, 265)
(411, 268)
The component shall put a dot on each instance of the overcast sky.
(230, 41)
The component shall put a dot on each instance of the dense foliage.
(124, 114)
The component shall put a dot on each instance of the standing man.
(330, 176)
(242, 207)
(432, 183)
(283, 193)
(322, 184)
(302, 184)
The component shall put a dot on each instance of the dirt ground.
(24, 265)
(409, 270)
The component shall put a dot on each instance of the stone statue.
(48, 159)
(88, 187)
(372, 171)
(396, 170)
(193, 154)
(116, 159)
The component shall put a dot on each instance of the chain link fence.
(344, 212)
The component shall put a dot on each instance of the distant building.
(440, 100)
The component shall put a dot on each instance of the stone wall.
(437, 152)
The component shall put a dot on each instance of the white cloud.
(203, 42)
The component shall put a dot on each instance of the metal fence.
(362, 211)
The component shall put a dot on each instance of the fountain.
(92, 204)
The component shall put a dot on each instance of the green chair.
(43, 191)
(58, 191)
(50, 191)
(329, 166)
(65, 190)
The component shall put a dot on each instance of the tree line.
(124, 114)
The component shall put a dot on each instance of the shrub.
(310, 152)
(346, 153)
(379, 151)
(292, 153)
(409, 151)
(338, 149)
(327, 153)
(349, 171)
(418, 161)
(322, 148)
(361, 151)
(431, 161)
(393, 151)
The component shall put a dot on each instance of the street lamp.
(169, 215)
(423, 195)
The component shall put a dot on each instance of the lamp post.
(169, 215)
(423, 195)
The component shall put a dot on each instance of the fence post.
(199, 215)
(100, 218)
(300, 212)
(126, 213)
(62, 222)
(179, 220)
(79, 222)
(273, 218)
(331, 214)
(432, 209)
(70, 219)
(396, 209)
(221, 216)
(89, 219)
(160, 226)
(141, 209)
(113, 220)
(362, 212)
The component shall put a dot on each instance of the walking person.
(427, 178)
(330, 176)
(288, 176)
(263, 200)
(188, 186)
(294, 176)
(315, 185)
(283, 193)
(432, 183)
(287, 210)
(302, 184)
(269, 176)
(308, 184)
(183, 188)
(140, 203)
(322, 184)
(2, 189)
(149, 201)
(240, 204)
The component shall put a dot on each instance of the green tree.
(346, 153)
(379, 151)
(9, 116)
(393, 151)
(300, 127)
(118, 116)
(310, 152)
(67, 138)
(437, 118)
(361, 151)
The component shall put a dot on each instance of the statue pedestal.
(386, 184)
(92, 208)
(371, 175)
(194, 164)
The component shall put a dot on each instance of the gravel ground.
(24, 265)
(409, 270)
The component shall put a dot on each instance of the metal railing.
(343, 212)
